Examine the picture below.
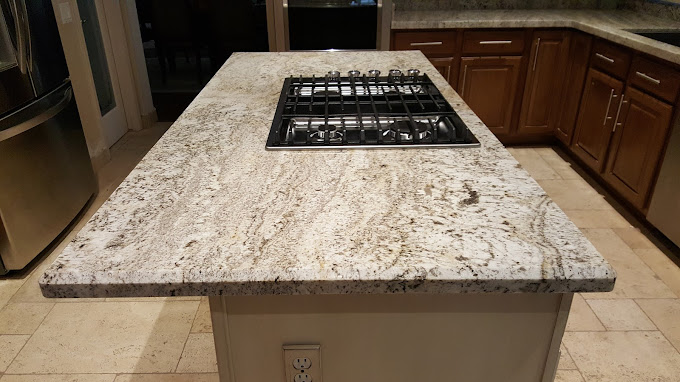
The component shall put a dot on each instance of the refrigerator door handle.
(23, 34)
(38, 118)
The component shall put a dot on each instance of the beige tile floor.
(631, 334)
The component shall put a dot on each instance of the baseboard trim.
(149, 119)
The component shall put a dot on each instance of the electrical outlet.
(302, 377)
(302, 363)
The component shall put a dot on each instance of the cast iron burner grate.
(360, 111)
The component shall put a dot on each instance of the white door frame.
(133, 98)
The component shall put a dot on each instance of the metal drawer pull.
(602, 56)
(618, 113)
(648, 78)
(538, 46)
(462, 89)
(427, 43)
(606, 114)
(494, 42)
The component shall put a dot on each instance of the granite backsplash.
(422, 5)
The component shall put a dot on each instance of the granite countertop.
(209, 211)
(613, 25)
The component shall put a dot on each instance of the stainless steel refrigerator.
(46, 176)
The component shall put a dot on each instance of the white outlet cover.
(302, 363)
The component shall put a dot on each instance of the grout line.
(593, 312)
(29, 338)
(660, 331)
(187, 340)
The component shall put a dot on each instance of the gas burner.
(402, 109)
(403, 129)
(328, 130)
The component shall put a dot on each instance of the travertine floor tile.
(7, 289)
(535, 165)
(624, 356)
(199, 354)
(208, 377)
(574, 194)
(623, 314)
(553, 159)
(581, 317)
(664, 267)
(152, 299)
(568, 376)
(666, 315)
(59, 378)
(23, 318)
(597, 219)
(634, 278)
(108, 337)
(9, 348)
(566, 363)
(634, 238)
(202, 322)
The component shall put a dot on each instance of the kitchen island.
(402, 264)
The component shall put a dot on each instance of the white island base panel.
(393, 338)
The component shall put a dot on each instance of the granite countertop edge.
(611, 25)
(171, 229)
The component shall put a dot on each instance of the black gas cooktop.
(400, 110)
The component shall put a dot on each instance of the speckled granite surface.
(666, 10)
(420, 5)
(209, 211)
(609, 24)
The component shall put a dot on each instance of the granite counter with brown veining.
(612, 25)
(209, 211)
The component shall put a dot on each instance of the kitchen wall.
(409, 5)
(665, 9)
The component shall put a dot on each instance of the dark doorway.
(187, 41)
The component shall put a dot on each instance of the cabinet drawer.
(434, 42)
(493, 42)
(655, 78)
(610, 58)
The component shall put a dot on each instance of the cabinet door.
(599, 104)
(489, 86)
(579, 53)
(540, 104)
(444, 65)
(636, 146)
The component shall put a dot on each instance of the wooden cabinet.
(577, 69)
(637, 144)
(596, 118)
(545, 77)
(489, 86)
(428, 42)
(445, 66)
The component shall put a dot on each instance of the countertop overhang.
(209, 211)
(612, 25)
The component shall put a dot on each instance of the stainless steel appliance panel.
(329, 24)
(664, 210)
(45, 55)
(45, 175)
(15, 84)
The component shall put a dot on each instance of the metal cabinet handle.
(618, 113)
(462, 88)
(495, 42)
(606, 114)
(427, 43)
(648, 78)
(602, 56)
(538, 46)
